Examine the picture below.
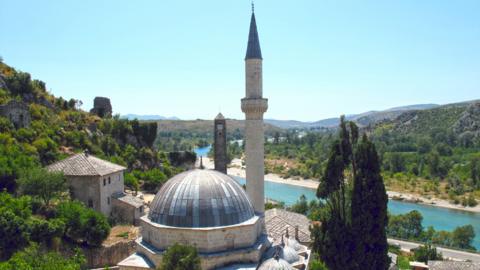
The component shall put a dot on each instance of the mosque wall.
(206, 240)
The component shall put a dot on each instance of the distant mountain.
(148, 117)
(362, 119)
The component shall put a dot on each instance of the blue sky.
(185, 58)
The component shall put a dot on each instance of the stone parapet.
(254, 108)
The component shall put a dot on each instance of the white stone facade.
(254, 106)
(206, 240)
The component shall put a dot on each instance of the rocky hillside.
(460, 119)
(362, 119)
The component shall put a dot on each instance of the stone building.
(17, 112)
(220, 143)
(100, 185)
(102, 107)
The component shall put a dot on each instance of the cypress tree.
(369, 209)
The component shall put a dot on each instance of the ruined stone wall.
(17, 112)
(102, 107)
(109, 255)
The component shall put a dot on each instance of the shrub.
(180, 257)
(83, 224)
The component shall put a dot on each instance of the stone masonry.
(102, 107)
(17, 112)
(254, 106)
(220, 144)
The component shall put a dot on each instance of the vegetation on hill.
(432, 152)
(182, 135)
(37, 214)
(59, 128)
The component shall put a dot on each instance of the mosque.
(209, 210)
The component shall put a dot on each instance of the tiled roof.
(85, 165)
(277, 221)
(129, 199)
(451, 265)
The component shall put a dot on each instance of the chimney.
(296, 232)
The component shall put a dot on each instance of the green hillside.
(36, 212)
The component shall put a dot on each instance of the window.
(141, 209)
(90, 203)
(109, 180)
(104, 181)
(108, 200)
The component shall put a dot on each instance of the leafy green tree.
(95, 228)
(426, 253)
(180, 257)
(14, 229)
(316, 264)
(83, 224)
(406, 226)
(475, 170)
(45, 230)
(13, 159)
(462, 237)
(43, 184)
(19, 83)
(32, 258)
(369, 209)
(396, 162)
(301, 206)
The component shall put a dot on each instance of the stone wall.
(85, 189)
(102, 107)
(109, 255)
(205, 239)
(17, 112)
(109, 185)
(126, 213)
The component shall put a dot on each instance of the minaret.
(254, 106)
(220, 143)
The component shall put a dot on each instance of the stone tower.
(220, 144)
(254, 106)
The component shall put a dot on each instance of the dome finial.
(253, 7)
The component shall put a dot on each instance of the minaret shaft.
(254, 106)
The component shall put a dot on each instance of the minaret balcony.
(254, 106)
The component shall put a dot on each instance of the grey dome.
(291, 242)
(275, 264)
(200, 198)
(289, 254)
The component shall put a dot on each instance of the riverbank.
(237, 169)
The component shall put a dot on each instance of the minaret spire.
(254, 106)
(253, 48)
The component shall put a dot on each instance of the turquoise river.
(439, 218)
